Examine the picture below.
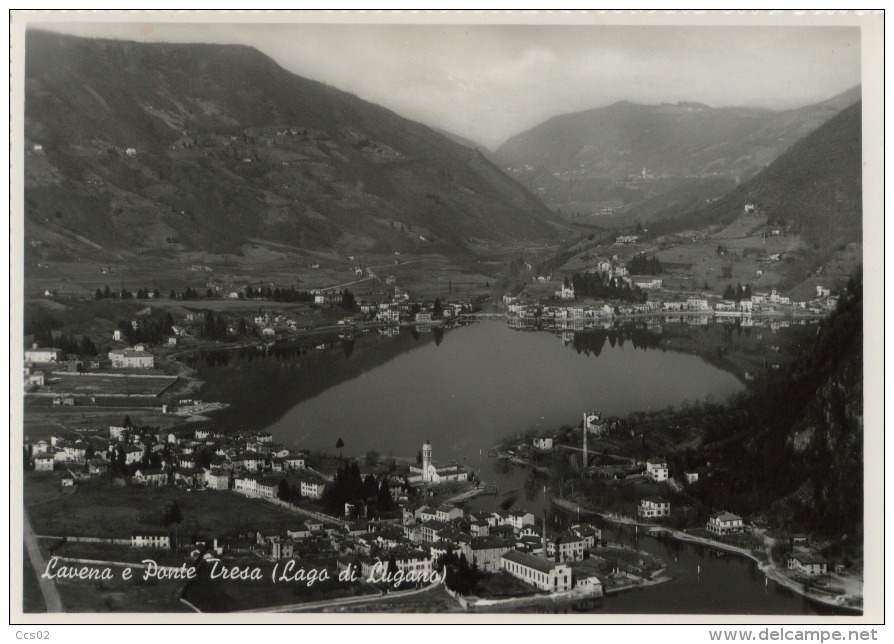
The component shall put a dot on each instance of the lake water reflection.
(485, 381)
(466, 389)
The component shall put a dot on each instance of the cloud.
(490, 82)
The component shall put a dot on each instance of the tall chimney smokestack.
(545, 556)
(585, 442)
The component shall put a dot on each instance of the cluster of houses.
(204, 458)
(504, 540)
(136, 357)
(253, 464)
(498, 541)
(401, 309)
(534, 311)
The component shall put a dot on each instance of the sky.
(490, 82)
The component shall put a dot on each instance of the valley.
(250, 297)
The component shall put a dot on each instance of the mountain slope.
(814, 188)
(670, 155)
(797, 453)
(226, 145)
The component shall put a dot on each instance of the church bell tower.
(426, 460)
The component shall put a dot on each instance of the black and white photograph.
(455, 316)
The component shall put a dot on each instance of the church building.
(433, 474)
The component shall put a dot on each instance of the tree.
(347, 300)
(283, 493)
(168, 323)
(339, 444)
(372, 458)
(87, 347)
(392, 567)
(127, 421)
(173, 514)
(384, 500)
(370, 487)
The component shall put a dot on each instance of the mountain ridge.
(628, 161)
(226, 142)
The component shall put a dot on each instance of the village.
(395, 516)
(643, 492)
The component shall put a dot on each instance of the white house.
(565, 293)
(725, 523)
(247, 485)
(447, 512)
(217, 479)
(312, 488)
(131, 359)
(691, 477)
(568, 546)
(485, 552)
(543, 442)
(518, 519)
(651, 508)
(648, 282)
(161, 540)
(807, 564)
(697, 304)
(656, 469)
(42, 354)
(44, 462)
(148, 476)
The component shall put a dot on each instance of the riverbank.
(846, 601)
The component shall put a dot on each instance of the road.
(342, 601)
(50, 594)
(330, 288)
(595, 452)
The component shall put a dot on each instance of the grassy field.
(502, 585)
(219, 595)
(43, 422)
(119, 554)
(119, 595)
(100, 384)
(101, 509)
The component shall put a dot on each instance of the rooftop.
(529, 561)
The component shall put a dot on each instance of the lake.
(467, 388)
(485, 381)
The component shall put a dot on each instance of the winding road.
(50, 594)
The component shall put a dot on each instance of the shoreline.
(769, 568)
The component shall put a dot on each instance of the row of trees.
(641, 265)
(596, 286)
(460, 576)
(151, 331)
(349, 486)
(125, 294)
(738, 293)
(68, 343)
(277, 294)
(288, 492)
